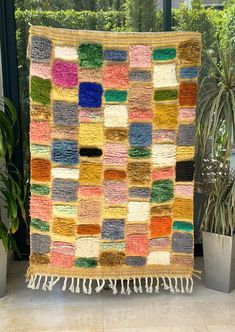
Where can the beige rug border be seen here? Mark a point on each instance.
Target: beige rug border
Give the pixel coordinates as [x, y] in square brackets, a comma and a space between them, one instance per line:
[67, 36]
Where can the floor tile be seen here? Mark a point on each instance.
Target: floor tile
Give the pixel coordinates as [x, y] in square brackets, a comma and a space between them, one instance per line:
[160, 329]
[25, 310]
[221, 328]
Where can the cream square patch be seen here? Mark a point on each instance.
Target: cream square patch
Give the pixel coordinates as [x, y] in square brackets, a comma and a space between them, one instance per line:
[138, 211]
[87, 247]
[164, 155]
[65, 52]
[158, 257]
[164, 75]
[115, 116]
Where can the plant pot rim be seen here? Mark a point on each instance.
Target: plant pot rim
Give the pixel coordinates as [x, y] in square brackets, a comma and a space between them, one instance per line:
[219, 235]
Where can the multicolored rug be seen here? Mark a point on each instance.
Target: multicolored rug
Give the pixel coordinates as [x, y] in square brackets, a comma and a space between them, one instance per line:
[112, 149]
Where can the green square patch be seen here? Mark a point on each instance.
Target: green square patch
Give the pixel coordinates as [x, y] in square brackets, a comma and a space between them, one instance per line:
[90, 55]
[40, 90]
[162, 191]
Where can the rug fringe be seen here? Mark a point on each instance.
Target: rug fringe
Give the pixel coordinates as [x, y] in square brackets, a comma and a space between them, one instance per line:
[152, 284]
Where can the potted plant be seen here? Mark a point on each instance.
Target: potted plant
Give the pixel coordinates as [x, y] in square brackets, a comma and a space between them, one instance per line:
[215, 123]
[218, 225]
[10, 187]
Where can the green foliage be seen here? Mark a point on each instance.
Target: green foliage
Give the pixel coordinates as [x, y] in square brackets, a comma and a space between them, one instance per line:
[216, 108]
[44, 4]
[110, 4]
[227, 30]
[10, 178]
[197, 19]
[7, 136]
[141, 15]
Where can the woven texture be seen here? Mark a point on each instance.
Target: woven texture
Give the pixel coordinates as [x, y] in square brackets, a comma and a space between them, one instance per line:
[112, 149]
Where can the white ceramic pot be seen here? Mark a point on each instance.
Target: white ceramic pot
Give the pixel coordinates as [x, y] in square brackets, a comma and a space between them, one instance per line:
[219, 261]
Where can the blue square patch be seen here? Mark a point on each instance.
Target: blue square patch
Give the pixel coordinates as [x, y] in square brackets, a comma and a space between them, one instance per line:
[140, 134]
[90, 94]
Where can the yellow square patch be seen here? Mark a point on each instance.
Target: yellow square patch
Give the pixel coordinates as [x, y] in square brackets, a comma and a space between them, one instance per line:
[91, 134]
[165, 116]
[90, 173]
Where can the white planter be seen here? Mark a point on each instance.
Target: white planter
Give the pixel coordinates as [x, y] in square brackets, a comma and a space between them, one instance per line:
[3, 269]
[219, 261]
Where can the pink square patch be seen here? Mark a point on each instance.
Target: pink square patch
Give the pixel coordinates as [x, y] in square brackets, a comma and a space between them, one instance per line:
[40, 208]
[115, 76]
[115, 192]
[65, 74]
[115, 154]
[140, 56]
[137, 245]
[40, 70]
[40, 132]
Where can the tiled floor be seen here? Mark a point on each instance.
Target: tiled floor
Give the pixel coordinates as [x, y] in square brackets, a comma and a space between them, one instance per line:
[26, 310]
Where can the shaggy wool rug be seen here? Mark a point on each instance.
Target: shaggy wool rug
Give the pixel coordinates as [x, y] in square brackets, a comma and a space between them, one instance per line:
[112, 150]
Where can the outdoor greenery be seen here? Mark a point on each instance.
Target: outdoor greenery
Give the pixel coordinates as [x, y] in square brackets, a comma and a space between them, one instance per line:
[78, 5]
[141, 15]
[10, 179]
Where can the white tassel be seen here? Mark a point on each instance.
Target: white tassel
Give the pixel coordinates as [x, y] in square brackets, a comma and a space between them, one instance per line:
[134, 286]
[122, 288]
[151, 285]
[191, 288]
[39, 281]
[171, 286]
[50, 283]
[111, 284]
[44, 286]
[55, 281]
[157, 286]
[165, 287]
[89, 291]
[65, 284]
[97, 289]
[176, 286]
[99, 286]
[128, 290]
[146, 285]
[71, 288]
[77, 290]
[34, 282]
[187, 285]
[140, 286]
[84, 286]
[30, 282]
[115, 287]
[182, 285]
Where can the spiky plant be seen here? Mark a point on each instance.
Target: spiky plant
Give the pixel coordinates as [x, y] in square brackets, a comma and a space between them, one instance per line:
[216, 108]
[219, 190]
